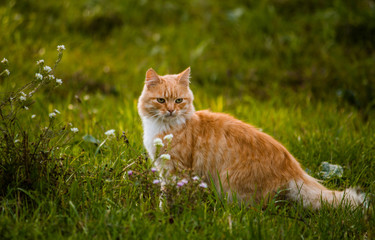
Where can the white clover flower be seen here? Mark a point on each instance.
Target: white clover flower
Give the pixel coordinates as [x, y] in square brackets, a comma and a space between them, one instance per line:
[168, 137]
[51, 77]
[156, 181]
[22, 98]
[158, 142]
[41, 61]
[203, 185]
[165, 157]
[59, 81]
[57, 111]
[47, 69]
[110, 132]
[33, 116]
[5, 61]
[196, 178]
[7, 72]
[52, 115]
[60, 48]
[38, 76]
[74, 130]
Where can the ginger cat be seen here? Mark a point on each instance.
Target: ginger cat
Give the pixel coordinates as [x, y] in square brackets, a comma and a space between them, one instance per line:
[249, 163]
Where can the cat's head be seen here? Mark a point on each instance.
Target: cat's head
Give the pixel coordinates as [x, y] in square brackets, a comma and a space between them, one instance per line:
[166, 98]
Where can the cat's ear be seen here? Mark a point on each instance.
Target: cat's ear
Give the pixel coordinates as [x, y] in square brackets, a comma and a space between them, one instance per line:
[183, 78]
[152, 78]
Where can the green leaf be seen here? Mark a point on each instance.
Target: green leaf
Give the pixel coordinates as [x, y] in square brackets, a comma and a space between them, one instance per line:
[91, 139]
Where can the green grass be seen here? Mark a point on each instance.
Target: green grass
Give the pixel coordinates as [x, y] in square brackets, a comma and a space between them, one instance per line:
[303, 72]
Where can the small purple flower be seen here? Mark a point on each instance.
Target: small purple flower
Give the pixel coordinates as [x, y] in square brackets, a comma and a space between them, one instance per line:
[184, 181]
[180, 184]
[154, 169]
[203, 185]
[130, 172]
[196, 178]
[156, 181]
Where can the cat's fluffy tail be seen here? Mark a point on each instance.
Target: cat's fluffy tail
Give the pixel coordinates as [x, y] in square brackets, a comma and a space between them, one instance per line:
[311, 193]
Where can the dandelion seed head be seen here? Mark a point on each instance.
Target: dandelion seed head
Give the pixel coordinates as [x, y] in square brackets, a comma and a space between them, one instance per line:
[59, 81]
[110, 132]
[158, 142]
[74, 130]
[38, 76]
[165, 157]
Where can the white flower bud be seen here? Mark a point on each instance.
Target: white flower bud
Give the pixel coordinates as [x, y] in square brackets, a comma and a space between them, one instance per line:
[38, 76]
[165, 157]
[168, 137]
[158, 142]
[60, 48]
[47, 69]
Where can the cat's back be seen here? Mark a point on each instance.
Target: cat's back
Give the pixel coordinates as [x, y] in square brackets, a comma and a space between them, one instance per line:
[220, 122]
[225, 131]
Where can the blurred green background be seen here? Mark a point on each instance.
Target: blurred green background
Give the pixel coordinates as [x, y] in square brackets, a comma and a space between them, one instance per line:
[322, 49]
[303, 71]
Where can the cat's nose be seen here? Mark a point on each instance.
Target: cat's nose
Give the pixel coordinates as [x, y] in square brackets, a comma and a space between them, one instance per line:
[170, 111]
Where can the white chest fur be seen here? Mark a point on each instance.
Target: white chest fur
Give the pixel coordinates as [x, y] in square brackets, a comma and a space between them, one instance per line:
[152, 128]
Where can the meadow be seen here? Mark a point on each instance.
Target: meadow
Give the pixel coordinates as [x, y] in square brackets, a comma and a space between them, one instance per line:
[302, 71]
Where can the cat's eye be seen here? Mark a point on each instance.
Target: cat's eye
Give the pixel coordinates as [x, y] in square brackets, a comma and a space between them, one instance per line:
[160, 100]
[178, 100]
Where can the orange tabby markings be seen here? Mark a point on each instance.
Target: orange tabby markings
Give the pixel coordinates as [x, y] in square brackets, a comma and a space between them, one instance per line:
[248, 162]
